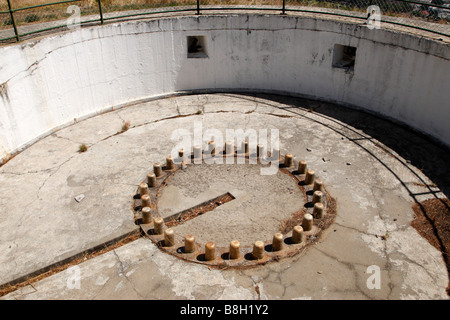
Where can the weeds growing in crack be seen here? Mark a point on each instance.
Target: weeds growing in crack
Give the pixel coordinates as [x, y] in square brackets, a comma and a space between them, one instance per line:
[82, 148]
[125, 126]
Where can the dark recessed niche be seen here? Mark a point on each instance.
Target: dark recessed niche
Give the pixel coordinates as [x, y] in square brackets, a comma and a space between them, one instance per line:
[196, 47]
[344, 57]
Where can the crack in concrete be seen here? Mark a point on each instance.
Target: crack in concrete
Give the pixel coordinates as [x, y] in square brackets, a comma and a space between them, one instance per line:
[64, 138]
[388, 259]
[351, 267]
[121, 272]
[51, 175]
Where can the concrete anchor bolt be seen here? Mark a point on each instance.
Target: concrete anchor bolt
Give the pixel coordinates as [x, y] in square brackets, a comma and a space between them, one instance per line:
[189, 243]
[258, 250]
[212, 148]
[143, 188]
[169, 237]
[235, 252]
[146, 215]
[151, 180]
[245, 147]
[317, 185]
[260, 151]
[146, 201]
[288, 160]
[318, 210]
[302, 167]
[297, 234]
[157, 169]
[275, 156]
[317, 197]
[309, 178]
[197, 154]
[169, 163]
[228, 148]
[210, 251]
[277, 242]
[158, 225]
[307, 222]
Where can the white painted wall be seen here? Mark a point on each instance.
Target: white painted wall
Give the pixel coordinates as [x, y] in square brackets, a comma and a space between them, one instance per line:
[47, 83]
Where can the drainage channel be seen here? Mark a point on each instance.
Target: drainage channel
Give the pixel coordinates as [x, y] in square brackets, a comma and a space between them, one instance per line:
[202, 208]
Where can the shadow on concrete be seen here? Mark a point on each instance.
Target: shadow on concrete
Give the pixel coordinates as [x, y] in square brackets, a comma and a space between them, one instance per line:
[409, 147]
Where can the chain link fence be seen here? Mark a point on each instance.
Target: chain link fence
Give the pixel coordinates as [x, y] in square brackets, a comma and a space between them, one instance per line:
[25, 18]
[429, 15]
[39, 16]
[115, 9]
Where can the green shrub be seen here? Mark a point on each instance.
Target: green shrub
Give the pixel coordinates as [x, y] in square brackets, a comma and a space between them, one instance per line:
[50, 16]
[32, 18]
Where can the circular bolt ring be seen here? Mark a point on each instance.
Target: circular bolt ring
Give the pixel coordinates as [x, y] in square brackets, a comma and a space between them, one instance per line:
[258, 252]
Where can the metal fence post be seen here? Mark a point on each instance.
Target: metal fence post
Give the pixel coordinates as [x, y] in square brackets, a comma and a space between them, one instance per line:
[283, 11]
[198, 6]
[11, 13]
[100, 10]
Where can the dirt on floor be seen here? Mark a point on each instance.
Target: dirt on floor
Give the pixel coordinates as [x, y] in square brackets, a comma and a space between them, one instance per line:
[432, 221]
[86, 255]
[198, 210]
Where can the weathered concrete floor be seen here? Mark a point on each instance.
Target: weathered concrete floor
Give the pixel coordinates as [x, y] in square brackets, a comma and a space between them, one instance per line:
[369, 165]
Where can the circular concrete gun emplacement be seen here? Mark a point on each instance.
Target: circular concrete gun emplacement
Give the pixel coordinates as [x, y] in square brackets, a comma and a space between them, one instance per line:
[232, 208]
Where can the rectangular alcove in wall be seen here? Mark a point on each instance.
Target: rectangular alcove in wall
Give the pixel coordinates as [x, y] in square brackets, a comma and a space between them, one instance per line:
[196, 47]
[344, 57]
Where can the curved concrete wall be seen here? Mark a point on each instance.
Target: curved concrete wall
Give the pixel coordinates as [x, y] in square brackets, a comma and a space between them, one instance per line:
[47, 83]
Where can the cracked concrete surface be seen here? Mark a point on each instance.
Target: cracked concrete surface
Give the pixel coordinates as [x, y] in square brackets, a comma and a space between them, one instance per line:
[373, 168]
